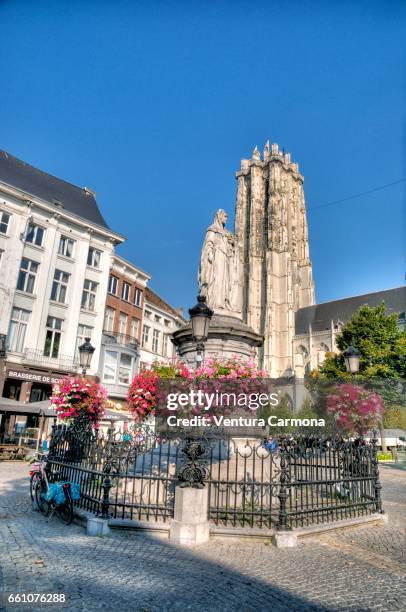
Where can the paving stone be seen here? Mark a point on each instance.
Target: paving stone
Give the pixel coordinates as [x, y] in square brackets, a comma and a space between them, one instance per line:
[358, 569]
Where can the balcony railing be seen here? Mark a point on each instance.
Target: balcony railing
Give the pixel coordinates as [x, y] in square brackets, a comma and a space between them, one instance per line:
[121, 339]
[62, 362]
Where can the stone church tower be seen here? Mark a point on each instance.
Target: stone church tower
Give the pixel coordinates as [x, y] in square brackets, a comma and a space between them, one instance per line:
[272, 237]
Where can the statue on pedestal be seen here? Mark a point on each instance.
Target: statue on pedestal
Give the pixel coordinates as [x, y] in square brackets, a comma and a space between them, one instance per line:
[219, 267]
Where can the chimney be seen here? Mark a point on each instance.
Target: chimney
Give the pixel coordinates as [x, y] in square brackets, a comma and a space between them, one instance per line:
[89, 192]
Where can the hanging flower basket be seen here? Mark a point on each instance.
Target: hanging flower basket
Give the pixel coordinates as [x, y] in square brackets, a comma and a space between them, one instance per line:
[142, 394]
[79, 401]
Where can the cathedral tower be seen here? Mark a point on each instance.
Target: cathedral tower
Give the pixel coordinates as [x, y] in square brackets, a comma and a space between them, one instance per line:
[272, 237]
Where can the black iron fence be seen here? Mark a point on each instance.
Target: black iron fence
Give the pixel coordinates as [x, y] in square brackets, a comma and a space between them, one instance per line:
[292, 481]
[129, 476]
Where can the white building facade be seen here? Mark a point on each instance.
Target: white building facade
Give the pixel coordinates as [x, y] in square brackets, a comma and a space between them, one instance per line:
[56, 251]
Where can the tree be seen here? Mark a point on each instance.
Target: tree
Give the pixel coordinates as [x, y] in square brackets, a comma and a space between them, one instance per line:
[382, 347]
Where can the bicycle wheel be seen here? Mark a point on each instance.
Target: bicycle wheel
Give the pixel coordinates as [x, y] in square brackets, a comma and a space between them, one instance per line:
[65, 510]
[33, 481]
[40, 490]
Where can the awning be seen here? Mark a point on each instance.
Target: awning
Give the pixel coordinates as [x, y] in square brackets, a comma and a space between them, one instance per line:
[112, 415]
[11, 406]
[14, 407]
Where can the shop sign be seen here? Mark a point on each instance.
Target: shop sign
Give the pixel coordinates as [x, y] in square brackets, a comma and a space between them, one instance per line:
[28, 376]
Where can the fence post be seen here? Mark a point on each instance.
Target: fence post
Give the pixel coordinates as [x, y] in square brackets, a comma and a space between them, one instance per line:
[284, 537]
[375, 471]
[283, 493]
[99, 525]
[106, 492]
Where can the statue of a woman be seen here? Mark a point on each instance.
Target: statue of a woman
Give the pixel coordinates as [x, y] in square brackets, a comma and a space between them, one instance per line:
[218, 272]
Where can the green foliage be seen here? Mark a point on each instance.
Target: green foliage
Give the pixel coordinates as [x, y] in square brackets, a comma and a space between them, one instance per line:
[382, 347]
[395, 417]
[384, 456]
[381, 343]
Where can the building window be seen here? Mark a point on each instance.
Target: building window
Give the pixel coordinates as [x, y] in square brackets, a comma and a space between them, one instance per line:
[147, 314]
[53, 337]
[157, 319]
[166, 322]
[122, 324]
[27, 275]
[60, 286]
[165, 344]
[17, 329]
[84, 331]
[125, 291]
[66, 246]
[4, 221]
[125, 369]
[108, 319]
[138, 297]
[134, 328]
[145, 335]
[110, 366]
[113, 282]
[89, 295]
[93, 257]
[35, 234]
[155, 341]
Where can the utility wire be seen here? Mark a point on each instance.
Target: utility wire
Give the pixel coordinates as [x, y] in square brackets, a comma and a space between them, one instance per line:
[358, 195]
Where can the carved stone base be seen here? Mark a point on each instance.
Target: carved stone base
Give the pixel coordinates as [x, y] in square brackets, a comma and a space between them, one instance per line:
[190, 525]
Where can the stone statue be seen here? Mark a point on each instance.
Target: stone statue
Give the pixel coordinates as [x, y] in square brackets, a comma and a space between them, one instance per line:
[219, 267]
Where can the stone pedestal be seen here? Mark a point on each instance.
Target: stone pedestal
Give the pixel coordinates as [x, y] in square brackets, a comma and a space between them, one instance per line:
[228, 336]
[190, 525]
[284, 539]
[97, 526]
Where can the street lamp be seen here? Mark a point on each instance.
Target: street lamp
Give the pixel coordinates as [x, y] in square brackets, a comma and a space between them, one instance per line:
[351, 359]
[200, 316]
[86, 351]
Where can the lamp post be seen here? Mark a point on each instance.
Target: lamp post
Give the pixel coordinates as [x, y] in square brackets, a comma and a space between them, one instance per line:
[351, 359]
[86, 351]
[200, 316]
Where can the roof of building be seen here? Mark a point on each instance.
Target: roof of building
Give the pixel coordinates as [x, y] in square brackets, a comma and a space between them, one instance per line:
[82, 203]
[154, 299]
[320, 316]
[126, 262]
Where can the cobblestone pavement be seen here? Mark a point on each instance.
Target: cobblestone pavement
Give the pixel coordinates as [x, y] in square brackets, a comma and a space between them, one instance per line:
[357, 569]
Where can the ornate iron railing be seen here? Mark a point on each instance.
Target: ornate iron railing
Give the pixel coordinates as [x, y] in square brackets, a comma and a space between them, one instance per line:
[128, 476]
[286, 483]
[62, 362]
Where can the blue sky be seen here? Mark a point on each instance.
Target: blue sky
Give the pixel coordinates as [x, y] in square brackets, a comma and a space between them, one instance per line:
[154, 104]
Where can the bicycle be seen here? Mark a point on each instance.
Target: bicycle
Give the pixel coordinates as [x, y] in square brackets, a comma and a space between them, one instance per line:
[35, 474]
[61, 503]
